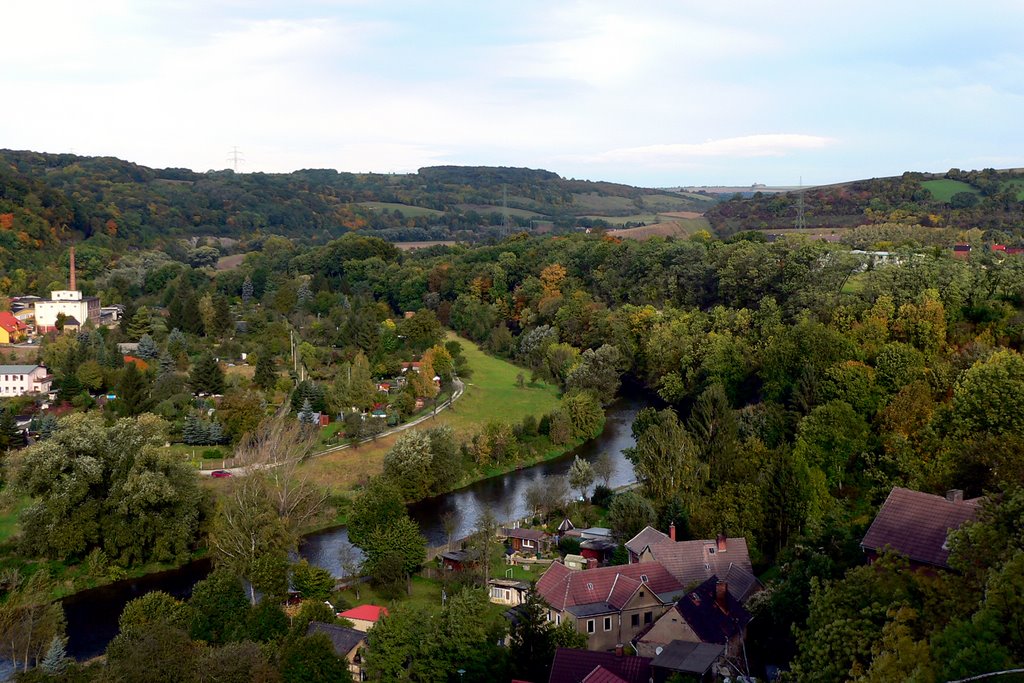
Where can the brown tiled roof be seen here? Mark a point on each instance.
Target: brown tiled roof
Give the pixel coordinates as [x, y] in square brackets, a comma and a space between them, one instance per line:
[645, 538]
[528, 534]
[573, 666]
[916, 525]
[562, 587]
[694, 562]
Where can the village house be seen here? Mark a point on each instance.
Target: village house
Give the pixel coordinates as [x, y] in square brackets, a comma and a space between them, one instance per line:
[917, 525]
[610, 605]
[68, 303]
[348, 643]
[12, 330]
[527, 540]
[17, 380]
[578, 666]
[459, 560]
[364, 617]
[707, 614]
[694, 562]
[507, 591]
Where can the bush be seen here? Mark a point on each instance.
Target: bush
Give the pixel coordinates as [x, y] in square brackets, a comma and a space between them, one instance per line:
[602, 496]
[569, 545]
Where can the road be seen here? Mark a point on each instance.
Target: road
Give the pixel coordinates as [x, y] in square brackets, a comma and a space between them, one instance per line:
[457, 383]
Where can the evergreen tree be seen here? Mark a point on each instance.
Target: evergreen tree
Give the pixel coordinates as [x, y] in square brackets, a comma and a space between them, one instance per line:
[306, 414]
[177, 344]
[166, 364]
[207, 376]
[69, 387]
[141, 324]
[10, 436]
[265, 376]
[304, 293]
[215, 434]
[194, 432]
[247, 289]
[56, 661]
[132, 392]
[148, 349]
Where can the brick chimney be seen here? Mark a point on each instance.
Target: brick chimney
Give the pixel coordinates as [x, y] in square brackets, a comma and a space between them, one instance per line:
[672, 531]
[722, 543]
[619, 650]
[71, 281]
[955, 495]
[721, 593]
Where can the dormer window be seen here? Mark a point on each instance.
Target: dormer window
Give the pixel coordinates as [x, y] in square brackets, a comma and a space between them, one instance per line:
[643, 577]
[590, 586]
[711, 551]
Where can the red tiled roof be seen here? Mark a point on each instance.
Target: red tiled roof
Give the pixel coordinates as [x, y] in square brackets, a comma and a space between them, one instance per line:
[647, 536]
[364, 613]
[574, 666]
[916, 524]
[602, 675]
[694, 562]
[10, 323]
[562, 587]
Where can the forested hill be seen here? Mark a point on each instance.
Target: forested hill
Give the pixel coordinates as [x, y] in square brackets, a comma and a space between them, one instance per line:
[990, 200]
[48, 198]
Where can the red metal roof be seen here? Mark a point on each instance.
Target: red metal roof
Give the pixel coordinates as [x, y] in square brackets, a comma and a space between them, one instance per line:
[916, 524]
[574, 666]
[364, 613]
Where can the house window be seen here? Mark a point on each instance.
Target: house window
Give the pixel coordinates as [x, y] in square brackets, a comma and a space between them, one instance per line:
[590, 626]
[607, 623]
[508, 595]
[634, 620]
[558, 619]
[527, 543]
[648, 617]
[643, 577]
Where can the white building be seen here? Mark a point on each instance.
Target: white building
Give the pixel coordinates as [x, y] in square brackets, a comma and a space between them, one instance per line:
[69, 302]
[16, 380]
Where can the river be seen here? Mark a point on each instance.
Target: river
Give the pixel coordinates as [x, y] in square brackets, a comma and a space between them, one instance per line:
[92, 615]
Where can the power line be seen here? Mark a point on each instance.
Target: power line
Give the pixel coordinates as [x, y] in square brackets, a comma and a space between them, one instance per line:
[235, 156]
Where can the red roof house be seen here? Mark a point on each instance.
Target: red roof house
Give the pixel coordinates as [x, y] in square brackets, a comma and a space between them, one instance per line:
[11, 329]
[364, 617]
[576, 666]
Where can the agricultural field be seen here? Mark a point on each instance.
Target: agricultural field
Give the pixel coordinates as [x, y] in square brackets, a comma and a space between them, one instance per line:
[594, 203]
[622, 220]
[231, 262]
[944, 188]
[404, 209]
[680, 227]
[492, 208]
[491, 395]
[1016, 186]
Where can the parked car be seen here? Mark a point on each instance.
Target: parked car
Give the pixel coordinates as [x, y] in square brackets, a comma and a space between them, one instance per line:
[220, 473]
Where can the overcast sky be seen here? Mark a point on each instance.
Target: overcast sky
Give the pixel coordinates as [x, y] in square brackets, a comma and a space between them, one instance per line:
[648, 93]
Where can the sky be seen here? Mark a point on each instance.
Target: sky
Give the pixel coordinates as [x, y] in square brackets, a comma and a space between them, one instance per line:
[647, 93]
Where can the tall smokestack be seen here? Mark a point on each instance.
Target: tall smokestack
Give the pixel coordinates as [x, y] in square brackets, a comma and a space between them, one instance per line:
[72, 280]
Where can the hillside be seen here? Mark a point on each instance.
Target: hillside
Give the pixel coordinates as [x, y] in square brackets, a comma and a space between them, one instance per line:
[47, 198]
[988, 200]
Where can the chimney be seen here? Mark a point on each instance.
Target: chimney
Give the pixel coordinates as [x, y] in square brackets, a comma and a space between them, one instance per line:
[955, 495]
[722, 543]
[71, 283]
[619, 650]
[672, 531]
[721, 593]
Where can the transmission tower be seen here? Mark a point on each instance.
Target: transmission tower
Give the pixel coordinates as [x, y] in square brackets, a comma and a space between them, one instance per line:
[235, 156]
[801, 222]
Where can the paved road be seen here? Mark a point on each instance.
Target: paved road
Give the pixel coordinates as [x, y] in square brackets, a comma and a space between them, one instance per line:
[460, 388]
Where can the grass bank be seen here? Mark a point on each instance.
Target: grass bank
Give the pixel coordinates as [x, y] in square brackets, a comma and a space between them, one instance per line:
[492, 394]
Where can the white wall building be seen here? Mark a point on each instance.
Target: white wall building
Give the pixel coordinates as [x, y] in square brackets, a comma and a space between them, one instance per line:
[16, 380]
[69, 302]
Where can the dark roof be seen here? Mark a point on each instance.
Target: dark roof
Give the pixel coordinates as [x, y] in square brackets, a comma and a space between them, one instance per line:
[562, 587]
[573, 666]
[528, 534]
[343, 639]
[688, 657]
[460, 555]
[707, 618]
[916, 525]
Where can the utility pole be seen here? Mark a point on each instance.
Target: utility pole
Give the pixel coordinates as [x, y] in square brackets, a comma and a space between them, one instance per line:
[235, 156]
[801, 222]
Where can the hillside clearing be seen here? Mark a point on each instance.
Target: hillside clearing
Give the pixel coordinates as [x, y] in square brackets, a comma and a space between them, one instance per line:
[943, 189]
[682, 227]
[404, 209]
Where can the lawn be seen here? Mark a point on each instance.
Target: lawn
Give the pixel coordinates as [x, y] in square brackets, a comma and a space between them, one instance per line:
[425, 592]
[1016, 186]
[9, 512]
[491, 395]
[404, 209]
[944, 188]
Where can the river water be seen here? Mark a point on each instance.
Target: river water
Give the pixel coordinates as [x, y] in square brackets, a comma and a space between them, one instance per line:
[92, 615]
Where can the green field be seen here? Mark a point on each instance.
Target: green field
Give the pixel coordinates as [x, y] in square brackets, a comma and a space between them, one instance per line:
[1016, 186]
[597, 204]
[491, 208]
[622, 220]
[404, 209]
[943, 189]
[491, 395]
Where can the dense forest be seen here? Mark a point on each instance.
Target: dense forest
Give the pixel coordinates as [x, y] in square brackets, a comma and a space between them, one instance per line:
[798, 385]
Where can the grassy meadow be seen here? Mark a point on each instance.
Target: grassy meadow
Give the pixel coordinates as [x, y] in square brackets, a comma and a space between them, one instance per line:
[491, 395]
[404, 209]
[943, 189]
